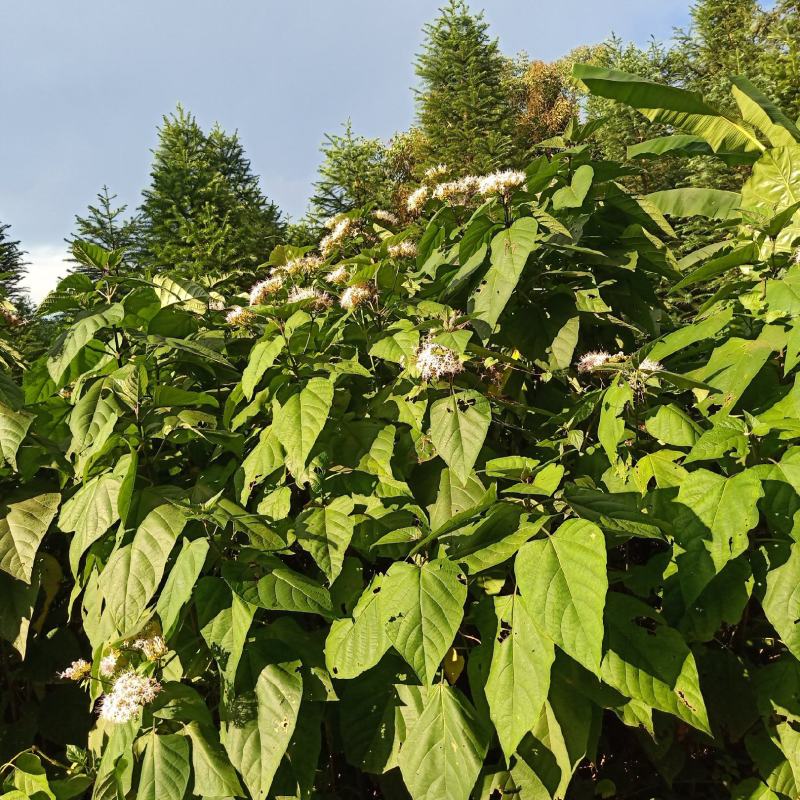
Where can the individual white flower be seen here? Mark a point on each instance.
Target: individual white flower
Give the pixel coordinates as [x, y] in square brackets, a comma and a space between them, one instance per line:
[340, 232]
[797, 256]
[338, 276]
[404, 249]
[434, 360]
[319, 300]
[239, 317]
[354, 296]
[648, 365]
[130, 692]
[263, 290]
[432, 173]
[77, 670]
[385, 216]
[501, 182]
[151, 647]
[589, 362]
[417, 199]
[108, 663]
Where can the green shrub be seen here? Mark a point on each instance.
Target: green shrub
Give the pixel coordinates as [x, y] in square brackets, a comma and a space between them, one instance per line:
[497, 503]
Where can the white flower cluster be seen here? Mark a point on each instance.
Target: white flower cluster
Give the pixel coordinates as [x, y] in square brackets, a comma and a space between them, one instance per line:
[385, 216]
[648, 365]
[238, 317]
[460, 191]
[77, 670]
[130, 692]
[317, 299]
[108, 663]
[263, 290]
[417, 199]
[338, 276]
[304, 265]
[151, 647]
[215, 304]
[437, 171]
[12, 320]
[404, 249]
[341, 230]
[501, 182]
[355, 296]
[437, 361]
[589, 362]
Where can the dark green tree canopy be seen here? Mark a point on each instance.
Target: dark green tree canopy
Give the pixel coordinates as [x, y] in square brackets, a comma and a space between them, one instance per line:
[105, 225]
[204, 211]
[12, 266]
[462, 105]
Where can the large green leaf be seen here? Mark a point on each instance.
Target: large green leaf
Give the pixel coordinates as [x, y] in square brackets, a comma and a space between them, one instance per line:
[510, 250]
[326, 533]
[612, 425]
[422, 608]
[690, 202]
[650, 662]
[89, 513]
[357, 644]
[21, 532]
[519, 676]
[134, 571]
[13, 428]
[78, 336]
[213, 774]
[760, 112]
[689, 334]
[261, 358]
[298, 423]
[564, 582]
[573, 195]
[672, 425]
[444, 750]
[734, 364]
[671, 106]
[264, 459]
[174, 289]
[738, 256]
[712, 526]
[782, 600]
[16, 610]
[459, 424]
[263, 724]
[180, 583]
[775, 181]
[165, 767]
[284, 589]
[224, 620]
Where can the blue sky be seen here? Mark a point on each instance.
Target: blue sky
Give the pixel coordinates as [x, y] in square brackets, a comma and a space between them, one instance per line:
[83, 86]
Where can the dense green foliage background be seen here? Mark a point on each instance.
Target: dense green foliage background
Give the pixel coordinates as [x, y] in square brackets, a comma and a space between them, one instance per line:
[482, 487]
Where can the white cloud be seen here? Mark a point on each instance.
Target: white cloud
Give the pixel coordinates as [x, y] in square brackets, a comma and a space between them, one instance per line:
[45, 266]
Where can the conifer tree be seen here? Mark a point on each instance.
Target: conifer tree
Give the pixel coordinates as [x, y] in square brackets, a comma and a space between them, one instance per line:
[12, 267]
[354, 171]
[462, 104]
[725, 39]
[106, 225]
[781, 56]
[204, 212]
